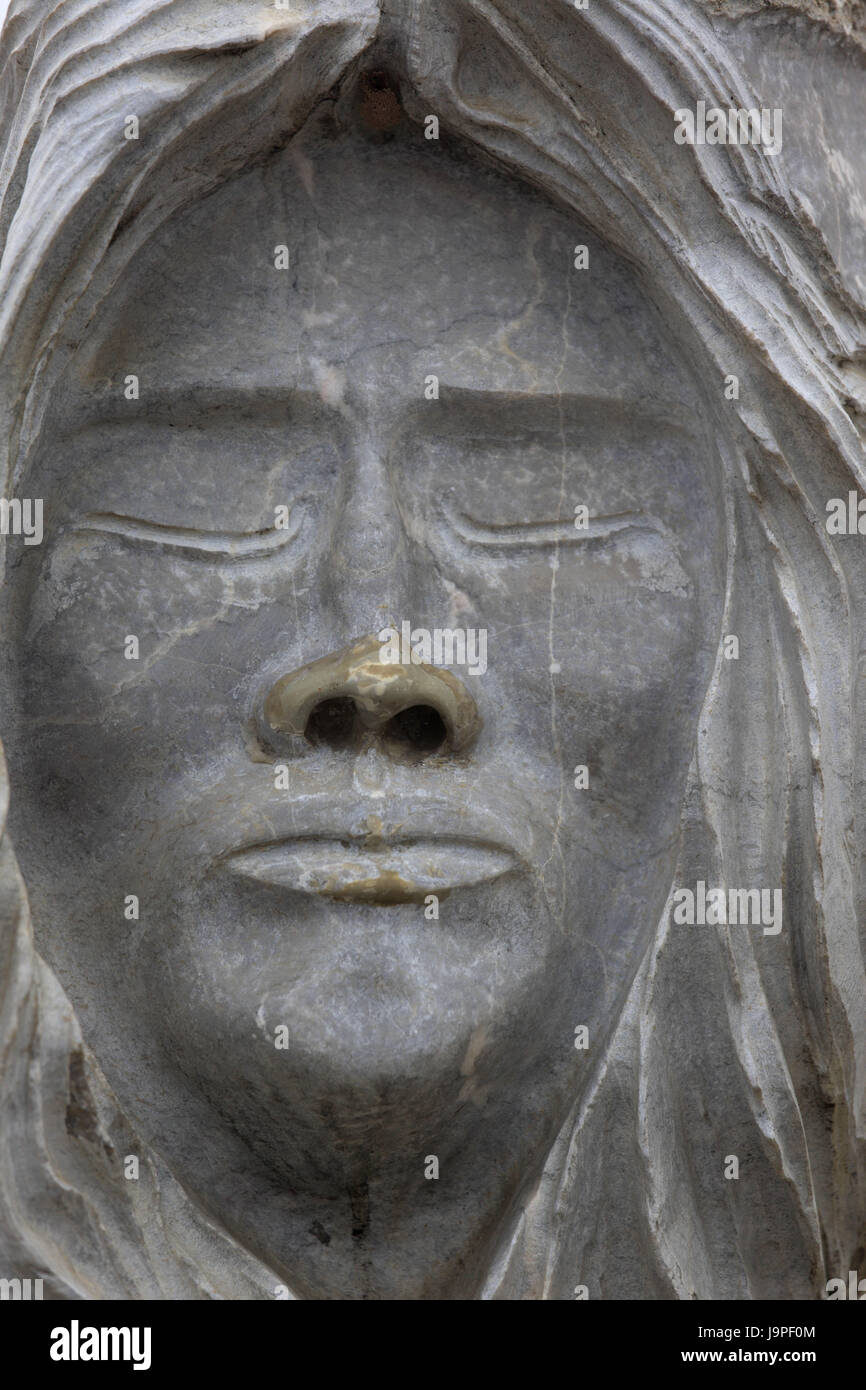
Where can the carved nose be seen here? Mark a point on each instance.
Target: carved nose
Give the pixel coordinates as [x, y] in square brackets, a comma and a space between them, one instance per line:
[350, 697]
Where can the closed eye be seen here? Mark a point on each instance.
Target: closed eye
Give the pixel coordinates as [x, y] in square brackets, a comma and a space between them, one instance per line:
[188, 540]
[536, 535]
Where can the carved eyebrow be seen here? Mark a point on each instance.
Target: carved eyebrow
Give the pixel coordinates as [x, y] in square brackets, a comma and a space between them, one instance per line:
[190, 405]
[237, 545]
[587, 408]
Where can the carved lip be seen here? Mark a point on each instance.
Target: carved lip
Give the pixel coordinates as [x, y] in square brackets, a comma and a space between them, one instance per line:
[372, 868]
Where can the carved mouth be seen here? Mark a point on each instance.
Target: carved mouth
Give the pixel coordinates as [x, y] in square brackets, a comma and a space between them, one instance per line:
[384, 872]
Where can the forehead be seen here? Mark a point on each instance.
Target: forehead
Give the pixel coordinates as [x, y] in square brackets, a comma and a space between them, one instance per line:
[404, 259]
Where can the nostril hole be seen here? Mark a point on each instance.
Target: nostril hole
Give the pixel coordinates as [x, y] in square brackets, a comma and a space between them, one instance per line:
[420, 727]
[332, 722]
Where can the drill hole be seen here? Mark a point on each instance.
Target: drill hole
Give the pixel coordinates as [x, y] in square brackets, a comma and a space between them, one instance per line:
[380, 101]
[332, 722]
[420, 728]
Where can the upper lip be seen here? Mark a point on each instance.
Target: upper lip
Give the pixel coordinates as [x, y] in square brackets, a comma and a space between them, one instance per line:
[375, 824]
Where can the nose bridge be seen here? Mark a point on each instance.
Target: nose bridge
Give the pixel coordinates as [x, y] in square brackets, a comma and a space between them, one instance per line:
[369, 557]
[380, 692]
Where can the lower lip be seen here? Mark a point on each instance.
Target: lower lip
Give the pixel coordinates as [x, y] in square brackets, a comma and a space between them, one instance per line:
[385, 875]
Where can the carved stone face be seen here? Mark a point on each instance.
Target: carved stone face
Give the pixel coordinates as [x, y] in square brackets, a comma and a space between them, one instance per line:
[263, 387]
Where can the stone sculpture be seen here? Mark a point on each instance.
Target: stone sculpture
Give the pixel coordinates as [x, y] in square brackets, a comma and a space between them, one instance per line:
[430, 698]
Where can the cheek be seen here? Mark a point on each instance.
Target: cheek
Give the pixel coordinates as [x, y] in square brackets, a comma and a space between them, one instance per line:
[147, 646]
[111, 730]
[630, 671]
[629, 654]
[631, 710]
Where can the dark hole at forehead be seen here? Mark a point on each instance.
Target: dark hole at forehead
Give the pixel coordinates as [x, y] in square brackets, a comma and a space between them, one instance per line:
[379, 102]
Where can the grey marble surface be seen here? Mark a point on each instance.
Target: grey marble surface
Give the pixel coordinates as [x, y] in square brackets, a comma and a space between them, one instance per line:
[337, 974]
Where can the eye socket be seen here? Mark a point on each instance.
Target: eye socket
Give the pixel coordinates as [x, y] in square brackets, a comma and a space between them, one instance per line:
[192, 542]
[629, 548]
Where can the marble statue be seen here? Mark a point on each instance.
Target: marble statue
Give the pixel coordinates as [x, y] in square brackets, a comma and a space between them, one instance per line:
[432, 606]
